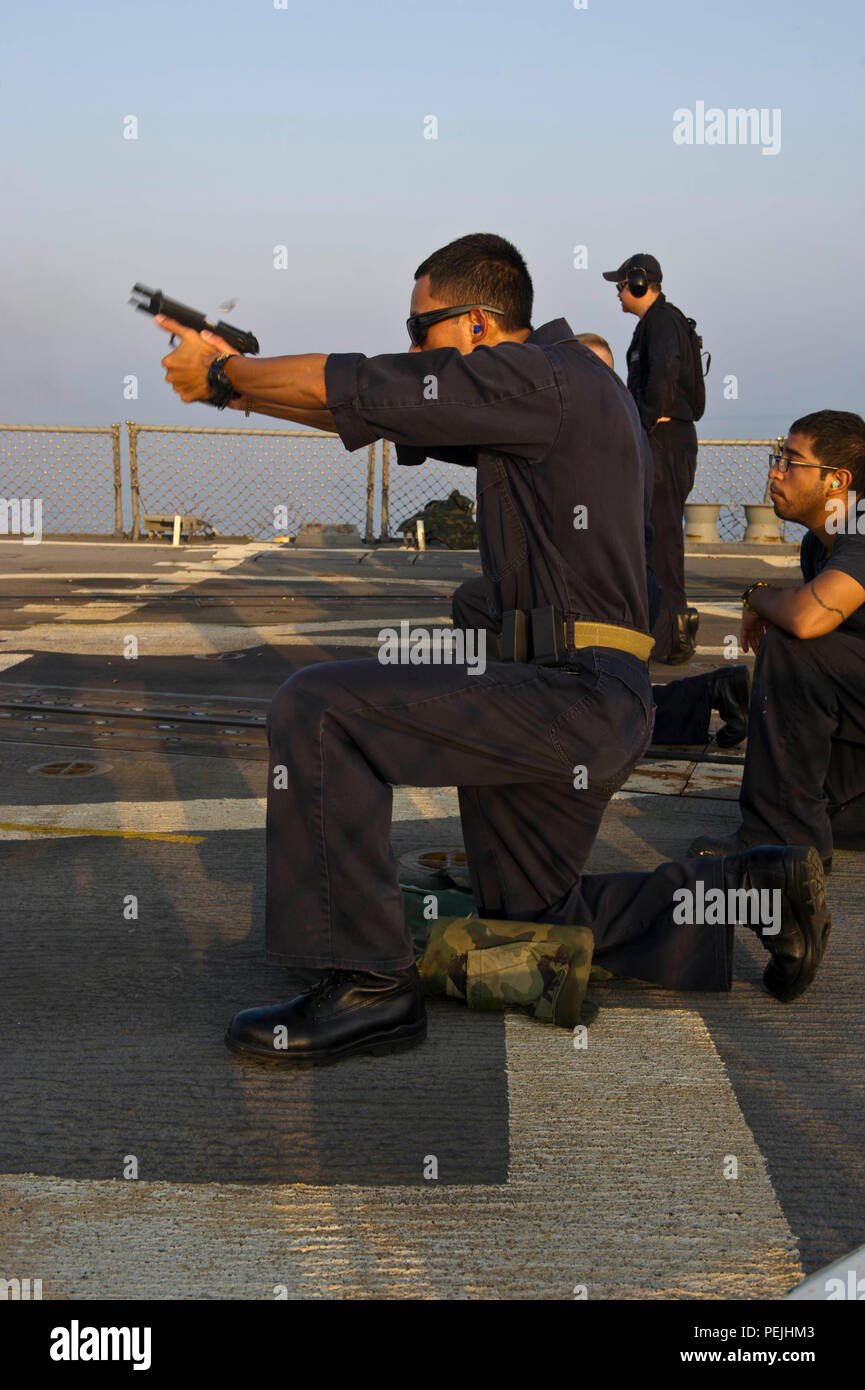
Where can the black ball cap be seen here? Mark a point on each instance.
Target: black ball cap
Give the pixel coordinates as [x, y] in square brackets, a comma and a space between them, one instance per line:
[648, 263]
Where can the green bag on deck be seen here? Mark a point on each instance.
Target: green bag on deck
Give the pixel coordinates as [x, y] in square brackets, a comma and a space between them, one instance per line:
[490, 964]
[445, 902]
[447, 522]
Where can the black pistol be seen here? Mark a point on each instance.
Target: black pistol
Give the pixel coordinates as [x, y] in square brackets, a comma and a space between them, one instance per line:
[155, 302]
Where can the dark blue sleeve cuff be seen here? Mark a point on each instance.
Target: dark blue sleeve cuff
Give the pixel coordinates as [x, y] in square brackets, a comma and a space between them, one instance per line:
[340, 384]
[410, 455]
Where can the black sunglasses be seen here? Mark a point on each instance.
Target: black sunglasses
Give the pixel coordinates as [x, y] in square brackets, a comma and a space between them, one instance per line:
[419, 324]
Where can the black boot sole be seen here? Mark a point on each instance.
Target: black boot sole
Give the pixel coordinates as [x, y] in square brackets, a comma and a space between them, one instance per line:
[807, 901]
[377, 1044]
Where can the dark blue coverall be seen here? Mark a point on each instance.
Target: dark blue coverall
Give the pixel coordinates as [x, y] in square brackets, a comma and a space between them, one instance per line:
[661, 378]
[804, 777]
[549, 428]
[683, 708]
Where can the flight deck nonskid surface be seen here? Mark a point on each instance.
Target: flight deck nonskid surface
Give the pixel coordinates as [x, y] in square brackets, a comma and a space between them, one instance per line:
[145, 778]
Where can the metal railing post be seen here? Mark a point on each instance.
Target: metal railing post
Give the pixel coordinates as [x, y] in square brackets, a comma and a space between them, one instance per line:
[133, 479]
[118, 481]
[385, 490]
[369, 534]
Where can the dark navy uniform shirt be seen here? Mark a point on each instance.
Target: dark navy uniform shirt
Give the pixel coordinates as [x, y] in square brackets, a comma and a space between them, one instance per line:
[661, 369]
[549, 428]
[847, 557]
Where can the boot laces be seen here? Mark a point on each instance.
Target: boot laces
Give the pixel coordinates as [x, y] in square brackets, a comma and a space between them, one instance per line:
[326, 986]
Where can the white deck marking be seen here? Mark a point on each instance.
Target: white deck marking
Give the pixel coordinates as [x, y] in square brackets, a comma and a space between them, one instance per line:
[82, 614]
[195, 815]
[616, 1182]
[843, 1279]
[209, 815]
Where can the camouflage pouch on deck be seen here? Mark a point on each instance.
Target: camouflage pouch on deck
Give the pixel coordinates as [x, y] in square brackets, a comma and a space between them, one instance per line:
[448, 903]
[490, 964]
[447, 522]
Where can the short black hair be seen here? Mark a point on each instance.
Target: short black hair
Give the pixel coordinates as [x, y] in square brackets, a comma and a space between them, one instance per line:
[482, 268]
[838, 441]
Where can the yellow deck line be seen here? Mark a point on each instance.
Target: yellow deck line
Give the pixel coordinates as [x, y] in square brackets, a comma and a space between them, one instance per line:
[85, 830]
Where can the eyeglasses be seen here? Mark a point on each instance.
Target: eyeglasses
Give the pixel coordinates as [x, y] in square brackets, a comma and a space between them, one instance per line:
[621, 285]
[781, 463]
[418, 325]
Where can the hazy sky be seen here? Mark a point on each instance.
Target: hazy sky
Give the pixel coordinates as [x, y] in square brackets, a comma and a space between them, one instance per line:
[304, 127]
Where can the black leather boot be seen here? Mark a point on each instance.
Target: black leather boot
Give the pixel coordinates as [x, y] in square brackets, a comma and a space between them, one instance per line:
[347, 1013]
[731, 695]
[687, 622]
[717, 847]
[798, 942]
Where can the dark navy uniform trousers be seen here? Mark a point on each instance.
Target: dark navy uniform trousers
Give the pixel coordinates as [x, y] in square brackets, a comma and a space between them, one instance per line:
[683, 708]
[513, 740]
[804, 778]
[674, 453]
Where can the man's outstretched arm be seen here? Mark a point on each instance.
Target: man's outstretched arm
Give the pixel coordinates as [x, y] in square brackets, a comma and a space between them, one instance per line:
[505, 397]
[311, 419]
[291, 387]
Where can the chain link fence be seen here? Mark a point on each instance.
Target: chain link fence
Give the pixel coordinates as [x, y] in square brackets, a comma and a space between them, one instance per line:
[732, 472]
[263, 483]
[255, 483]
[73, 471]
[405, 491]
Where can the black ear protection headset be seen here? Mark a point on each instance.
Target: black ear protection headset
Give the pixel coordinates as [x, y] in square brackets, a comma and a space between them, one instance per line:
[638, 283]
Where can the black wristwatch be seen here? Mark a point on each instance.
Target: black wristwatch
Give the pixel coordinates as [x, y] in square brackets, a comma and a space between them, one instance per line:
[221, 389]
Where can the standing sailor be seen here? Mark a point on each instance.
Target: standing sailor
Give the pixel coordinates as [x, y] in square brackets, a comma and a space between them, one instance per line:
[665, 378]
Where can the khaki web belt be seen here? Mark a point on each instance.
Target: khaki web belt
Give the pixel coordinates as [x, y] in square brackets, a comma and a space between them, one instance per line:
[624, 639]
[542, 636]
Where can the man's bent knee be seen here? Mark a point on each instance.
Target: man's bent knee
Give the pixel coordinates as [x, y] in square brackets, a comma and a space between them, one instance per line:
[311, 689]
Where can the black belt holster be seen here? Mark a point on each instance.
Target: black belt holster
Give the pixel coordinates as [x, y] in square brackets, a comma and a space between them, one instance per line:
[537, 636]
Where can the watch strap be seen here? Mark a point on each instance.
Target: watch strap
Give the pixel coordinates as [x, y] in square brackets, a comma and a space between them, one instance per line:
[759, 584]
[221, 389]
